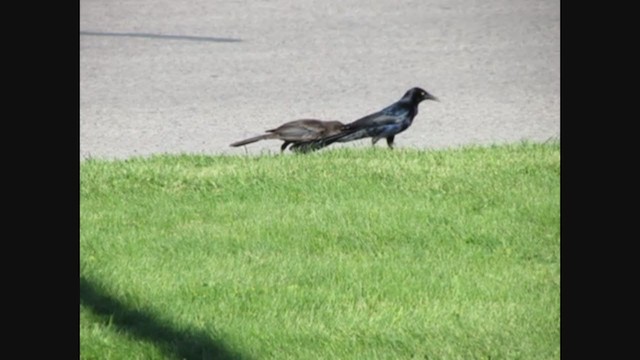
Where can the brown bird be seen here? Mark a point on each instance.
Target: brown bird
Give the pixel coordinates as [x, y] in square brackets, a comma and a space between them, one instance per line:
[301, 133]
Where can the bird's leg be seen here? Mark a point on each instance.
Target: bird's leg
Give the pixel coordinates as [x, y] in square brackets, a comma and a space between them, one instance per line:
[374, 140]
[299, 148]
[390, 141]
[295, 147]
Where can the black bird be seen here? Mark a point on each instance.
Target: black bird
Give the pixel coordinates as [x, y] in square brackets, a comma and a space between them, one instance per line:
[386, 123]
[301, 133]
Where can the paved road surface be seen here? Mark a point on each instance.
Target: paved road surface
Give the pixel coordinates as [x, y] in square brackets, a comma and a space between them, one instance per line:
[162, 76]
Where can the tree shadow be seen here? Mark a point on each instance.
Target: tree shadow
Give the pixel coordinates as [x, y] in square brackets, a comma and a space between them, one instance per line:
[160, 36]
[146, 326]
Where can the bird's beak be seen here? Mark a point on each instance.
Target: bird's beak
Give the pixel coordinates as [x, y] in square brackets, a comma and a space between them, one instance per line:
[431, 97]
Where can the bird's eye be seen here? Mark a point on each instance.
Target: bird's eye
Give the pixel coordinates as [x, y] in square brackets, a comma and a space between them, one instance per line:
[424, 94]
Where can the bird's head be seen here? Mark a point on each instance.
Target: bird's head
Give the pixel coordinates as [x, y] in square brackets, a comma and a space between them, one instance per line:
[417, 95]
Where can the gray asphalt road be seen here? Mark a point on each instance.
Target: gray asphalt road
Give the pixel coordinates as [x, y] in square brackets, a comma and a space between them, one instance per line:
[161, 76]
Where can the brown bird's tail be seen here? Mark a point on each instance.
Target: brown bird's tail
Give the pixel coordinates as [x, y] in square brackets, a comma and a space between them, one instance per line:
[254, 139]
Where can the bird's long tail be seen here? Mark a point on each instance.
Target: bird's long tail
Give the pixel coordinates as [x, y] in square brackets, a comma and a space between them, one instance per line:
[324, 142]
[254, 139]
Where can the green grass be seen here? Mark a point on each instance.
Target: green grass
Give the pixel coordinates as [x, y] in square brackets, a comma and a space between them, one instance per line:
[338, 254]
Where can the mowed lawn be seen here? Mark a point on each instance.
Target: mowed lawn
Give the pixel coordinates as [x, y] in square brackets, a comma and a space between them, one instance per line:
[356, 253]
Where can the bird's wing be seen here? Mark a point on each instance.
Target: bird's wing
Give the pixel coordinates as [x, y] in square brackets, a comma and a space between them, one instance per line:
[300, 130]
[356, 130]
[376, 119]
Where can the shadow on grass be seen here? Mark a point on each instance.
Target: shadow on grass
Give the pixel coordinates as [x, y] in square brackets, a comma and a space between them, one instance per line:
[178, 343]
